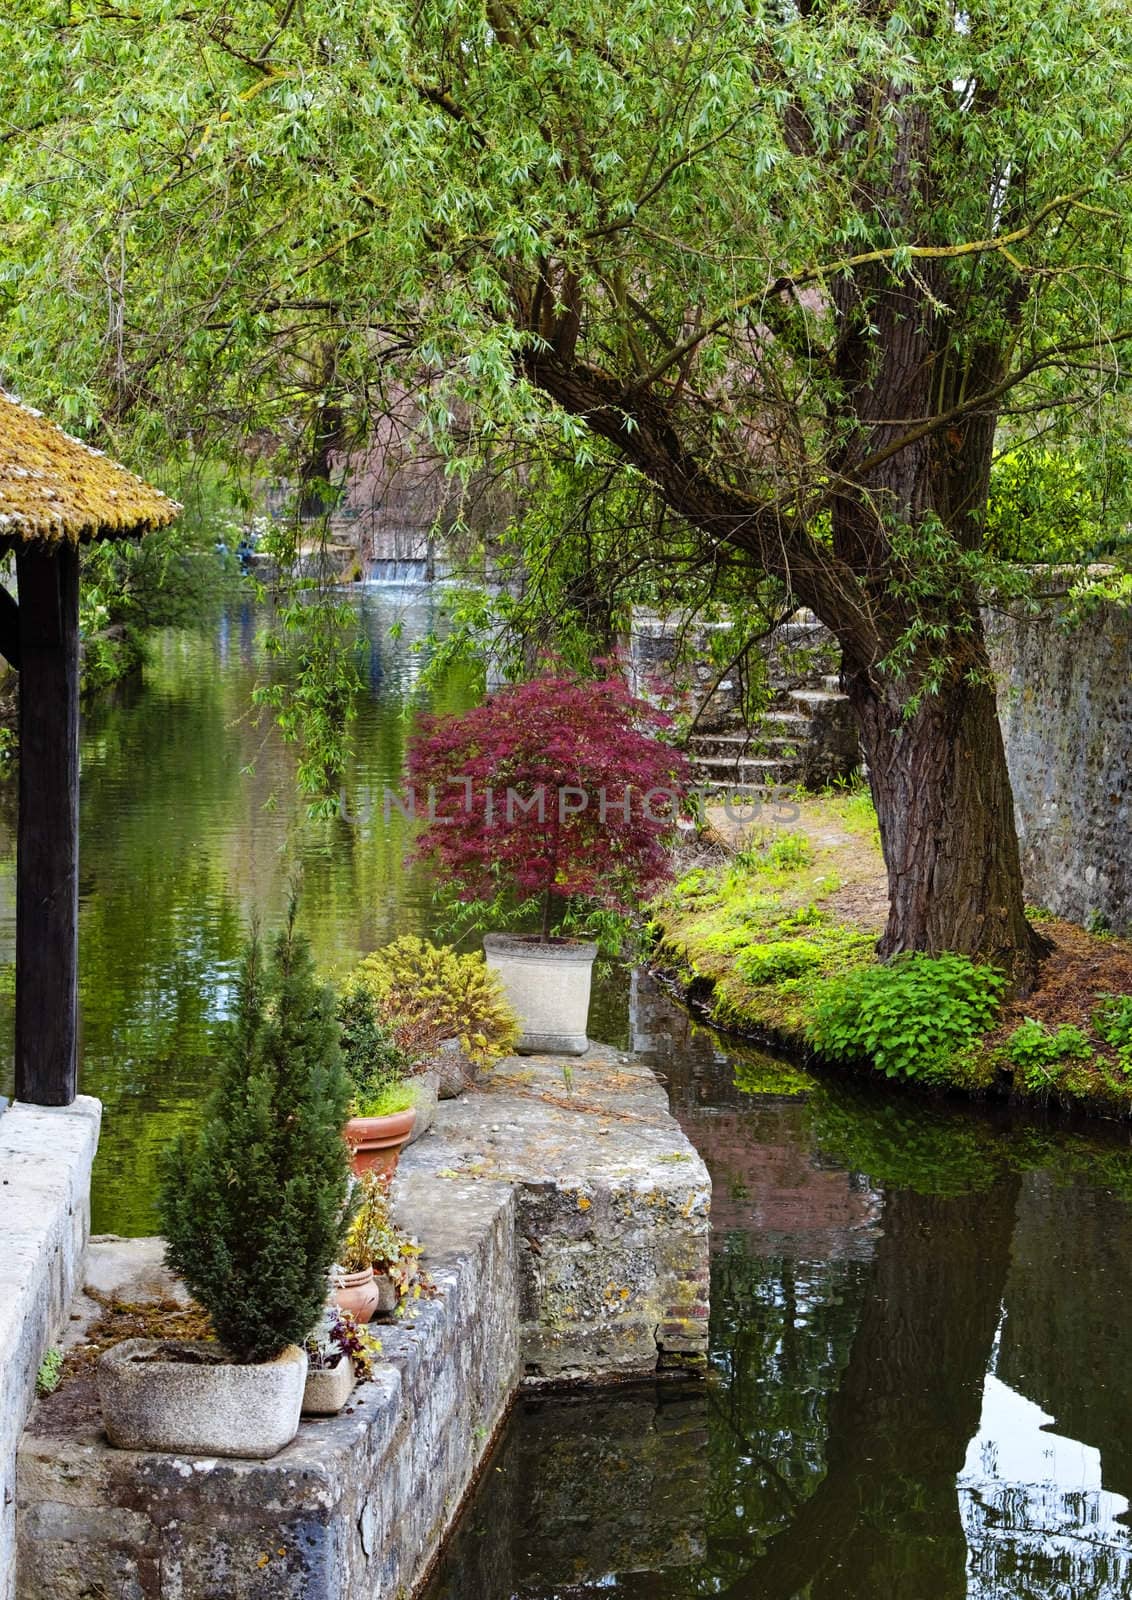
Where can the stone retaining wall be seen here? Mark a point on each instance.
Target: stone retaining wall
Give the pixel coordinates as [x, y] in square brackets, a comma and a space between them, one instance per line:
[45, 1161]
[564, 1220]
[1065, 705]
[354, 1508]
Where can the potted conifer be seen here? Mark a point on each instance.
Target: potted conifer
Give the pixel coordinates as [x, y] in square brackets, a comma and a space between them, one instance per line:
[253, 1211]
[553, 807]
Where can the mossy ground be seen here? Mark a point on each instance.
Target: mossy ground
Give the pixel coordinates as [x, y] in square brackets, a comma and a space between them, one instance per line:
[764, 914]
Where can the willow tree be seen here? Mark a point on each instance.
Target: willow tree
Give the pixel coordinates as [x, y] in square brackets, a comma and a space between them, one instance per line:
[793, 263]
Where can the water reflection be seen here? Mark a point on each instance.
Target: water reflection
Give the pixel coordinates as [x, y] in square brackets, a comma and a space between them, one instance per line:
[916, 1386]
[190, 821]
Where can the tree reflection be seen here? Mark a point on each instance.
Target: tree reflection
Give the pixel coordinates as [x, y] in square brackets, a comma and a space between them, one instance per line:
[884, 1519]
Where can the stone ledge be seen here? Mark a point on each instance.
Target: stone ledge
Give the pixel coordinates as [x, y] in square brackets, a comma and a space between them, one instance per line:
[564, 1223]
[613, 1210]
[46, 1154]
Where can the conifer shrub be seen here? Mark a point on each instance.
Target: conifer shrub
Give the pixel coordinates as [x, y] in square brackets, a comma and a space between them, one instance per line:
[375, 1063]
[435, 992]
[254, 1207]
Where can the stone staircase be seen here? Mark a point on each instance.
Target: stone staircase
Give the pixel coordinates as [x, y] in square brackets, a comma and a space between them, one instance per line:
[807, 735]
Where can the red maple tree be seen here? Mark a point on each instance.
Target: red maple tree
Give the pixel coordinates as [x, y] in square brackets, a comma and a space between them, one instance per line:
[559, 789]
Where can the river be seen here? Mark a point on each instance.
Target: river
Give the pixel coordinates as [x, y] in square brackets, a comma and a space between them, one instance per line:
[918, 1383]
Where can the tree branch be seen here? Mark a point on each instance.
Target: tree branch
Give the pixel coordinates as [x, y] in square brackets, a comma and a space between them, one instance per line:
[999, 243]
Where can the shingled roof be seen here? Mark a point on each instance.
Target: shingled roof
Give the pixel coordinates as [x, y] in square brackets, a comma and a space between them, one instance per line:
[55, 488]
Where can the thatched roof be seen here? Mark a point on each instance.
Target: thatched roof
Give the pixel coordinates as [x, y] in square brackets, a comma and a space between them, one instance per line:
[55, 488]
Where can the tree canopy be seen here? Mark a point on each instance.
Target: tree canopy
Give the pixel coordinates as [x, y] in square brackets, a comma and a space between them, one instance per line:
[215, 216]
[791, 263]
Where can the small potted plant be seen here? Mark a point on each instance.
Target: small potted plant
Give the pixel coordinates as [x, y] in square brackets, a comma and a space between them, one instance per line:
[337, 1358]
[553, 805]
[396, 1256]
[383, 1101]
[253, 1210]
[355, 1290]
[379, 1260]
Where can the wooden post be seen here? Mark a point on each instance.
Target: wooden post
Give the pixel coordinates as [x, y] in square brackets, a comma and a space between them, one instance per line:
[47, 867]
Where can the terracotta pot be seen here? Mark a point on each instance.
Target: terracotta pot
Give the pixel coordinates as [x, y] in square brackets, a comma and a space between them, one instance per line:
[357, 1293]
[376, 1142]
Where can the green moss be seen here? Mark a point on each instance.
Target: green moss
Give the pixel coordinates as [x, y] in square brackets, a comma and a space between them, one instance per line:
[759, 941]
[755, 929]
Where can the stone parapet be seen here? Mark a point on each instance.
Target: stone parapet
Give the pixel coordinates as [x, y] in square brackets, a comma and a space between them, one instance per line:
[46, 1154]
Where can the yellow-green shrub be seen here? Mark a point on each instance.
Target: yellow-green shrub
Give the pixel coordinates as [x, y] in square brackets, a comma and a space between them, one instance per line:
[441, 991]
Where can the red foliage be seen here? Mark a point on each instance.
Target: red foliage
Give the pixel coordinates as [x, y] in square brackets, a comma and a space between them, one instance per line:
[609, 793]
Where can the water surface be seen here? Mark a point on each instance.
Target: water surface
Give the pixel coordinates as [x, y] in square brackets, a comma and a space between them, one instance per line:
[918, 1386]
[190, 824]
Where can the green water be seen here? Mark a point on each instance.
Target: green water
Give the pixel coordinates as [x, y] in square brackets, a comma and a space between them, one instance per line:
[190, 822]
[919, 1383]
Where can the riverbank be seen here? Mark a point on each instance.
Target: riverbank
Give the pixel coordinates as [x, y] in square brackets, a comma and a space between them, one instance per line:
[768, 919]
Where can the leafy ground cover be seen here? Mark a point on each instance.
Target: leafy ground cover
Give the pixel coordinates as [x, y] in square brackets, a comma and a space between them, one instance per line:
[771, 926]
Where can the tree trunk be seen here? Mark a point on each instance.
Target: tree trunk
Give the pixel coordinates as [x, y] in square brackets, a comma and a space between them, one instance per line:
[942, 794]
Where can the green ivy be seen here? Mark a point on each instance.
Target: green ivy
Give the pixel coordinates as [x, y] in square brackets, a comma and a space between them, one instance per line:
[1040, 1055]
[1113, 1021]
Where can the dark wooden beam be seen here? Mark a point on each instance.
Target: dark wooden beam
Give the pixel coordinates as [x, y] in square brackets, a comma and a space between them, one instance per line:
[47, 866]
[9, 629]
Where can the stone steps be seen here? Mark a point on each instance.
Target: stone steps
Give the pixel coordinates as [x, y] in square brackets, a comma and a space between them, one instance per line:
[745, 771]
[747, 745]
[810, 701]
[780, 750]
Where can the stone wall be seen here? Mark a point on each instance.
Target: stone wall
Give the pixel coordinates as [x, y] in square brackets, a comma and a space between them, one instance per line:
[564, 1220]
[45, 1161]
[1065, 704]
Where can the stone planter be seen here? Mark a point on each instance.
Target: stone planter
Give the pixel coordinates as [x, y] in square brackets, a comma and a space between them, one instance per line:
[328, 1388]
[549, 987]
[376, 1142]
[357, 1293]
[427, 1086]
[455, 1069]
[200, 1404]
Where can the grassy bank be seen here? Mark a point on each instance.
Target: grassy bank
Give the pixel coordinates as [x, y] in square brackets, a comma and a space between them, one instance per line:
[771, 929]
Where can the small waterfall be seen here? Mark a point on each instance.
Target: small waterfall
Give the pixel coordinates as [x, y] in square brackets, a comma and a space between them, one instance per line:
[398, 573]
